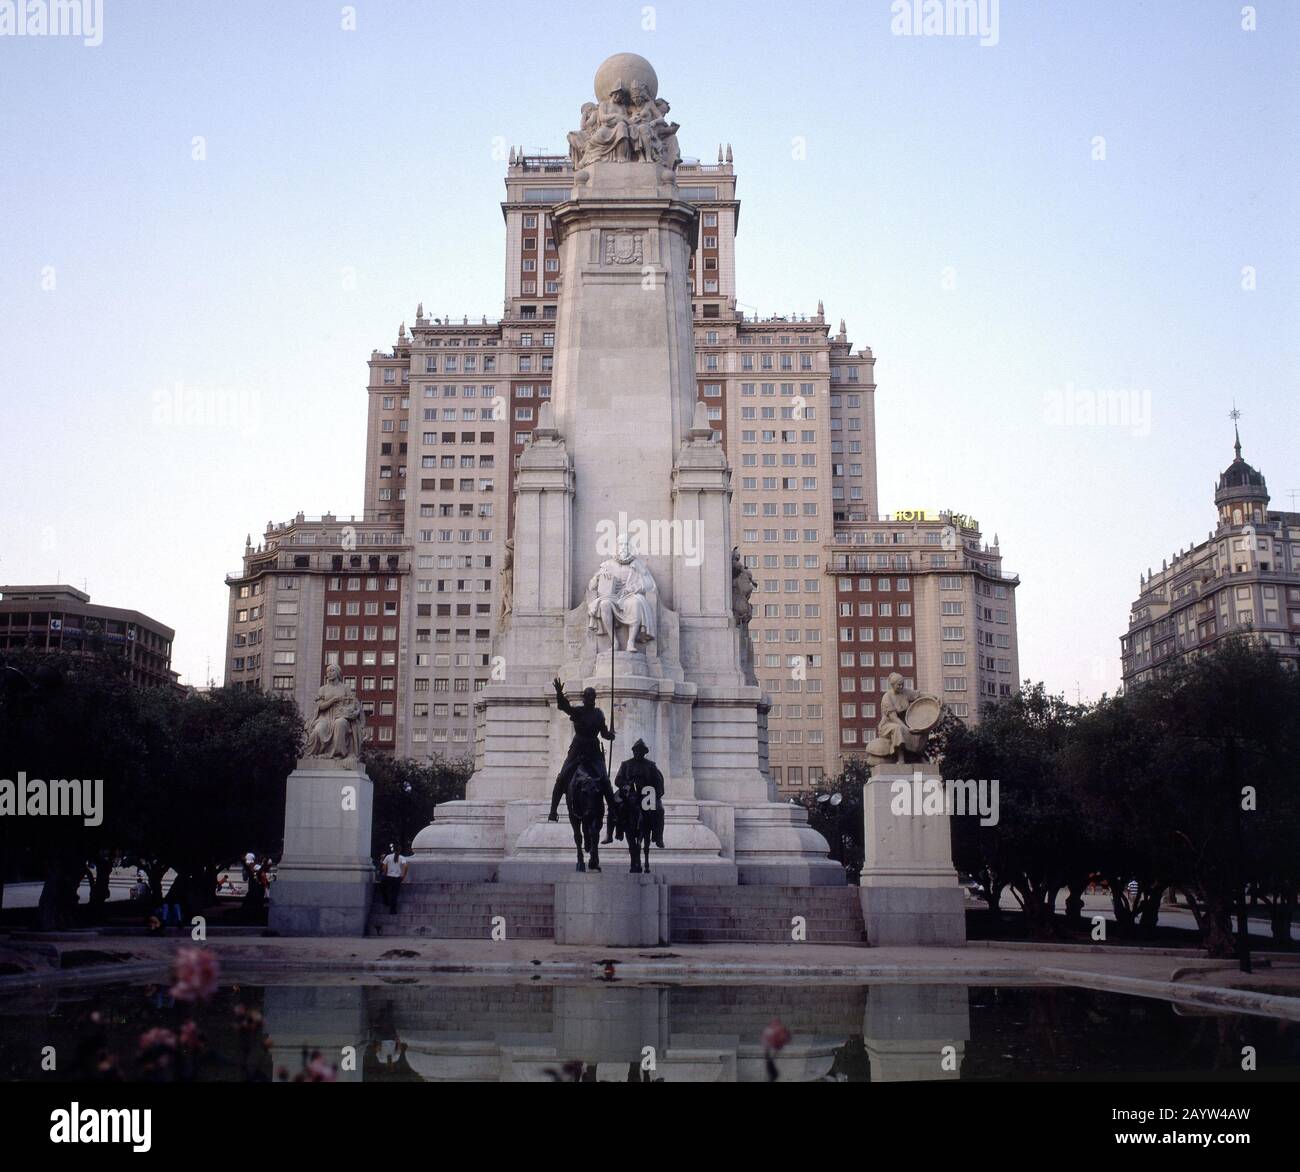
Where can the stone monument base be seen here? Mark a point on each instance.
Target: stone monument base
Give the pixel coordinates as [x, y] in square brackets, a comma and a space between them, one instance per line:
[464, 844]
[544, 852]
[776, 845]
[611, 910]
[914, 915]
[909, 890]
[325, 881]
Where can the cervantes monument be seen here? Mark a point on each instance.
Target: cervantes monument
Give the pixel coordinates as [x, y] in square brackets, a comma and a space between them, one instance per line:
[622, 576]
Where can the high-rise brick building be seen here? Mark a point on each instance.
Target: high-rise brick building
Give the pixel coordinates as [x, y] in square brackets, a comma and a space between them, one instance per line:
[452, 402]
[920, 594]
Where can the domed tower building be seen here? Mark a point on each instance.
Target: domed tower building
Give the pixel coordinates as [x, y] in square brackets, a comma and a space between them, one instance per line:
[1244, 579]
[1241, 496]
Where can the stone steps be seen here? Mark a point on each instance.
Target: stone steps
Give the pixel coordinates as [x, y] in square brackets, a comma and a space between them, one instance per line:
[763, 915]
[698, 913]
[465, 911]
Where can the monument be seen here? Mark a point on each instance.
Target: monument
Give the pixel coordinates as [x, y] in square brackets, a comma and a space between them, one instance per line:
[908, 889]
[621, 576]
[325, 882]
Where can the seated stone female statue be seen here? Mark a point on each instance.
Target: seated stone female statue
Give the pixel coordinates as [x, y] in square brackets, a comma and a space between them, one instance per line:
[334, 729]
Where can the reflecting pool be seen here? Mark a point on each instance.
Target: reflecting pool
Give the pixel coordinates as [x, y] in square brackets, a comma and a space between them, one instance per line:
[370, 1028]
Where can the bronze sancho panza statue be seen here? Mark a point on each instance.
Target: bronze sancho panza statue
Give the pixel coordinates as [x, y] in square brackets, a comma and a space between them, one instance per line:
[640, 784]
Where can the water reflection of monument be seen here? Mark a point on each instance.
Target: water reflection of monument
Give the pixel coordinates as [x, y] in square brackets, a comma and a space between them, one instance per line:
[619, 1033]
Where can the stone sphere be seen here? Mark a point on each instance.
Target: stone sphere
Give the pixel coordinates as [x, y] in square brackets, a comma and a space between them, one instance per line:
[624, 71]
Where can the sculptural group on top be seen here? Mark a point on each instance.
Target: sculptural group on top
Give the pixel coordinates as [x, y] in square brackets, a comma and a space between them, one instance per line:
[628, 125]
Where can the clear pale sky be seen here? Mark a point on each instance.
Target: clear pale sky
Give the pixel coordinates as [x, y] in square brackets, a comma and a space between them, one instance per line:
[379, 151]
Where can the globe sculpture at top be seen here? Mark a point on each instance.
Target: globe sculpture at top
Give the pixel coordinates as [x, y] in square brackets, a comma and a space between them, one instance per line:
[624, 72]
[628, 123]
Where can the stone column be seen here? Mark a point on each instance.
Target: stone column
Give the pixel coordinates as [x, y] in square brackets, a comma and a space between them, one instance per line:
[624, 379]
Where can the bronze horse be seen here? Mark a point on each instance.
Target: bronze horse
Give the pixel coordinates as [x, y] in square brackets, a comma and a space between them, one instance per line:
[635, 823]
[586, 814]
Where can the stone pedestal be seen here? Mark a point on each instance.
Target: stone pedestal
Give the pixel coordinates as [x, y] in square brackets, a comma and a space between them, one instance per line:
[776, 845]
[544, 852]
[325, 880]
[611, 910]
[909, 889]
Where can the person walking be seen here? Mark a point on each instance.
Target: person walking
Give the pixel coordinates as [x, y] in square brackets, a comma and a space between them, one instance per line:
[392, 871]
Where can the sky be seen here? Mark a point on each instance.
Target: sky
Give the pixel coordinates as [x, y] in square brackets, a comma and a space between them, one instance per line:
[1071, 248]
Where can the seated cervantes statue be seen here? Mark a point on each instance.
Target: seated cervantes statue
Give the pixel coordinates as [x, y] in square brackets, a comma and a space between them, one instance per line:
[334, 728]
[622, 593]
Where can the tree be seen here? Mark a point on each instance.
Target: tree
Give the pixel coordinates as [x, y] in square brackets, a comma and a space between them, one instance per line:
[406, 792]
[840, 823]
[1110, 765]
[63, 719]
[217, 782]
[1224, 735]
[1186, 782]
[188, 781]
[1038, 845]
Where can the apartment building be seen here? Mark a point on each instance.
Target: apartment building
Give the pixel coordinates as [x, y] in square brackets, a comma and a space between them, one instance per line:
[324, 590]
[1243, 579]
[920, 594]
[58, 618]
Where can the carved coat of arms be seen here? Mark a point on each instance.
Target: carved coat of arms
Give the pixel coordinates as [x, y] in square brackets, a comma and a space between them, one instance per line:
[623, 248]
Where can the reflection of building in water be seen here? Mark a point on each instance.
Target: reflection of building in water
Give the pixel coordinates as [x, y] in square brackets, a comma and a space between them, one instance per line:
[620, 1033]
